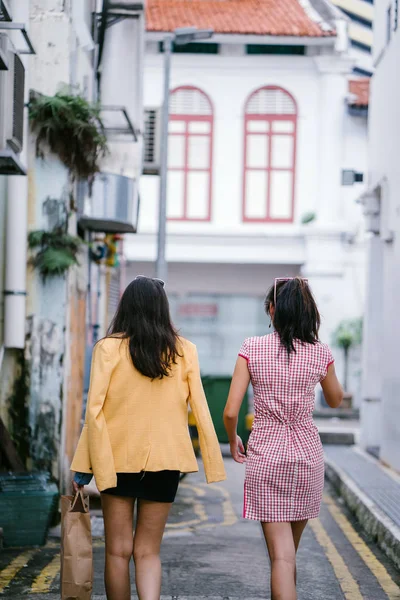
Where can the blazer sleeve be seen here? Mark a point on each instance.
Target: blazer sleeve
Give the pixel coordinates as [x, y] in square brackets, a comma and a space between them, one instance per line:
[94, 452]
[209, 446]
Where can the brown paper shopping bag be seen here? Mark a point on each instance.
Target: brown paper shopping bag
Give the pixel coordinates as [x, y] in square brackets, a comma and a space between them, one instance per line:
[76, 548]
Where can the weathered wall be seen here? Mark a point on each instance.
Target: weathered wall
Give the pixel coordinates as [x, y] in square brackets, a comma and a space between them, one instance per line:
[381, 409]
[47, 308]
[56, 307]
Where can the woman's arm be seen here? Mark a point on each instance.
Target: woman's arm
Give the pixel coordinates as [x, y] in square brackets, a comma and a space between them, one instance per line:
[333, 392]
[209, 446]
[239, 385]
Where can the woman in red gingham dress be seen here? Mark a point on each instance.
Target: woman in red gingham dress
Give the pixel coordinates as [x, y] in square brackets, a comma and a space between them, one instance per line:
[285, 463]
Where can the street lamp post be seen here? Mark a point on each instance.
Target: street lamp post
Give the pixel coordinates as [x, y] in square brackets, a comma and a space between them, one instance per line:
[179, 37]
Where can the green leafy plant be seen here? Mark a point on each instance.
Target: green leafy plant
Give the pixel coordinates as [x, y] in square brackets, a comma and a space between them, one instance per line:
[71, 128]
[348, 335]
[57, 251]
[308, 217]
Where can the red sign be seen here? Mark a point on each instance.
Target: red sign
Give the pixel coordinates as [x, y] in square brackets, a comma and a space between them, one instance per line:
[198, 310]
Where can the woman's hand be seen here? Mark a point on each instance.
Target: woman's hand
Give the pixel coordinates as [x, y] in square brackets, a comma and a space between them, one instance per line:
[237, 450]
[239, 385]
[76, 487]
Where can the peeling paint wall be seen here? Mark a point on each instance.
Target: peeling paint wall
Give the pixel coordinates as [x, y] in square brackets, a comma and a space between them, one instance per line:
[56, 307]
[46, 329]
[44, 353]
[49, 396]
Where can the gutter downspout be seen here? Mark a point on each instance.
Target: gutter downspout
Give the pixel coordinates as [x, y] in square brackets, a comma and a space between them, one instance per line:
[17, 227]
[102, 35]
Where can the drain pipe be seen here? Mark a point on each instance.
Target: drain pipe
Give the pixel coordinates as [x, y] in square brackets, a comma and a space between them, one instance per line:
[17, 227]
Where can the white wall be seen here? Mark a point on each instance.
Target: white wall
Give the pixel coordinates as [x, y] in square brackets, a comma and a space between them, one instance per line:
[320, 155]
[328, 140]
[384, 150]
[355, 157]
[122, 86]
[60, 59]
[229, 81]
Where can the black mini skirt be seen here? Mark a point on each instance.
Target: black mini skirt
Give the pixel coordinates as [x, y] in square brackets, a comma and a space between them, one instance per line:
[156, 486]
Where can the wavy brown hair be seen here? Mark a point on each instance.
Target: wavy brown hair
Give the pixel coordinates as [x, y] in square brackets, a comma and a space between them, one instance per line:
[296, 315]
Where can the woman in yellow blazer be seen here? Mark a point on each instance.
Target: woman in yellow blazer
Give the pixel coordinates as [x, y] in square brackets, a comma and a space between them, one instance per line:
[135, 440]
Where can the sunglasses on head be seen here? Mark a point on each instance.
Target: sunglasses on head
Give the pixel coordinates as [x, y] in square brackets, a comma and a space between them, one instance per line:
[281, 279]
[151, 279]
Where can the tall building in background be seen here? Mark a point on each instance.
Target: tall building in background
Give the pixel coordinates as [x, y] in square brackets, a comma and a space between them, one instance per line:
[361, 15]
[267, 151]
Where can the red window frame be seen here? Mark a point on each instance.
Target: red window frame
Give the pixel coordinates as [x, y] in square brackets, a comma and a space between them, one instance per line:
[186, 169]
[270, 118]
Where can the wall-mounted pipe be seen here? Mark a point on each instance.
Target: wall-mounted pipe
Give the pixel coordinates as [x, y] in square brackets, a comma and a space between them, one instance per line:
[17, 226]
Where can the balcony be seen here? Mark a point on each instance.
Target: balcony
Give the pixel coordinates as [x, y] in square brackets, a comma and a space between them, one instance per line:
[113, 206]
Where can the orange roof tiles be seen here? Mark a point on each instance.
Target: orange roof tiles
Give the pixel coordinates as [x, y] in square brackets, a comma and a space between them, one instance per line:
[359, 88]
[257, 17]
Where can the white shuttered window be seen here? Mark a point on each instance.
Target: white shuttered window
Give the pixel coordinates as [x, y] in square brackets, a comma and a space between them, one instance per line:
[190, 148]
[270, 156]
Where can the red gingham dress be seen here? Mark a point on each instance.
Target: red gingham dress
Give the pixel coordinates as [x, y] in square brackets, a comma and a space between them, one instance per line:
[285, 463]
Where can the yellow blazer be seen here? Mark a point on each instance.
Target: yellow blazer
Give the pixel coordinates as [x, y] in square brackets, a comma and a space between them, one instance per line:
[136, 424]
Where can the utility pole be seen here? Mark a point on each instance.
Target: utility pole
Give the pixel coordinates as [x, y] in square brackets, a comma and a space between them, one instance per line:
[161, 265]
[181, 37]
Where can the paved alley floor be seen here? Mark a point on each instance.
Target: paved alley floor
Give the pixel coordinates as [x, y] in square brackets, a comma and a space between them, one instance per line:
[210, 552]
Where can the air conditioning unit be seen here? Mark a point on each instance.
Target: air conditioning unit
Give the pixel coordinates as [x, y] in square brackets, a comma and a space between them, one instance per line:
[112, 207]
[12, 87]
[5, 14]
[152, 134]
[3, 51]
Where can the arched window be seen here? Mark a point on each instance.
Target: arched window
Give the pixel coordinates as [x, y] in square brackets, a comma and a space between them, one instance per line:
[190, 147]
[270, 126]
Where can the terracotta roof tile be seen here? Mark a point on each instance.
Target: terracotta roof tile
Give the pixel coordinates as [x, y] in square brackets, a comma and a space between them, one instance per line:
[359, 90]
[257, 17]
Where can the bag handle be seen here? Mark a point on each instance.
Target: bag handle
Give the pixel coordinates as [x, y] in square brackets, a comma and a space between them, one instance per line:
[79, 494]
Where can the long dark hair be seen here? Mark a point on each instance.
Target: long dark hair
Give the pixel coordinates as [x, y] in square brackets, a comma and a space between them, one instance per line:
[296, 315]
[143, 316]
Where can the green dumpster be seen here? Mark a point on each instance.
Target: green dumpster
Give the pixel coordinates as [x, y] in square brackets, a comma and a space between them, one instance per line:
[27, 505]
[217, 389]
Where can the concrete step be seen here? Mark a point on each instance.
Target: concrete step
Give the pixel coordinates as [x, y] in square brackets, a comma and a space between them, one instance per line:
[337, 438]
[337, 413]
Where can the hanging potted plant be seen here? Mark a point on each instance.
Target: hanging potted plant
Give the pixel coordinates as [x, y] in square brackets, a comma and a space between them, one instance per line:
[347, 336]
[71, 128]
[56, 251]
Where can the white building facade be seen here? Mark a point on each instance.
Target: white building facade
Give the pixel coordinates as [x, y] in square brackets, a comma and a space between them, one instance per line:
[259, 134]
[381, 405]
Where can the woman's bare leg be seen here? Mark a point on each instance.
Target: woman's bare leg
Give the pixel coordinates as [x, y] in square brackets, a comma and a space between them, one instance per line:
[282, 553]
[118, 527]
[297, 531]
[151, 520]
